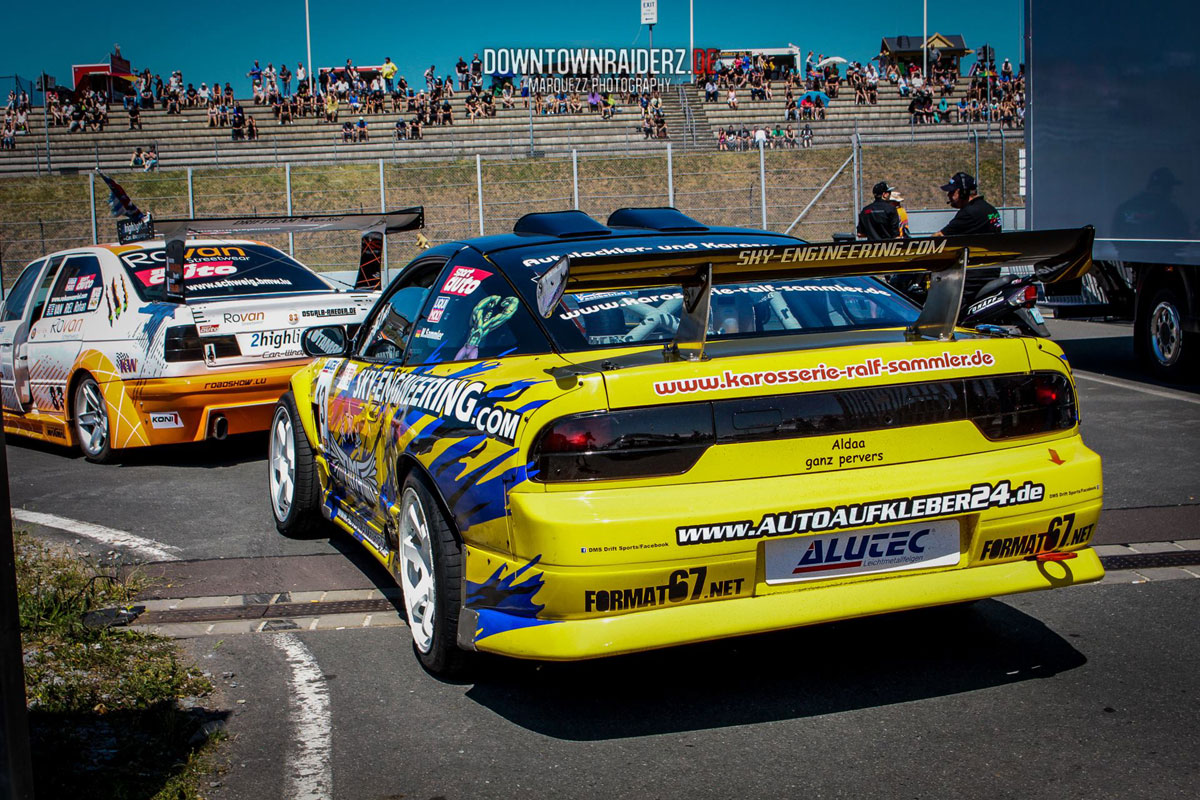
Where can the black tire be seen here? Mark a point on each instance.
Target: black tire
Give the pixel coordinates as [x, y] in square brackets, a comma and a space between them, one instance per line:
[1168, 350]
[296, 502]
[435, 643]
[91, 420]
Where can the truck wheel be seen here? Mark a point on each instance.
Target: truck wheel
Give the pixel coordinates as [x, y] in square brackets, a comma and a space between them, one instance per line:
[292, 474]
[428, 565]
[1170, 350]
[90, 413]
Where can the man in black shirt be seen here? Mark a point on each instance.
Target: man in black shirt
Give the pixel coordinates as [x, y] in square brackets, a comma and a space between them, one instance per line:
[879, 220]
[975, 215]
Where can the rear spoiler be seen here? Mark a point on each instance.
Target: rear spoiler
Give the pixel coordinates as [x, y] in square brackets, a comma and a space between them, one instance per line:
[373, 228]
[1055, 255]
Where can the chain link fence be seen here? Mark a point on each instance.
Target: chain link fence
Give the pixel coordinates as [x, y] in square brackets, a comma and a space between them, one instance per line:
[768, 189]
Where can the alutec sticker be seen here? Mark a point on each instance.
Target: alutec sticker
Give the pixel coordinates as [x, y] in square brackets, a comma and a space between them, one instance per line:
[829, 555]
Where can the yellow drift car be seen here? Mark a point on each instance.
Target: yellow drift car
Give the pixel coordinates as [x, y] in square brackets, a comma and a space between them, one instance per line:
[579, 439]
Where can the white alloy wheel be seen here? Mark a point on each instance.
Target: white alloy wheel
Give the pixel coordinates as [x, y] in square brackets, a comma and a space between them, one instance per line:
[283, 463]
[416, 570]
[91, 418]
[1166, 333]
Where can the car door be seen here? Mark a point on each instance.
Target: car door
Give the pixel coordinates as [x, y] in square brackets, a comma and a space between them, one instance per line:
[57, 337]
[351, 424]
[24, 302]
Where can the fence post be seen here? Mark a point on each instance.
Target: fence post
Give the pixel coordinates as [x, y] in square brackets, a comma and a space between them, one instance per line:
[1003, 168]
[191, 195]
[975, 136]
[287, 183]
[574, 178]
[670, 177]
[92, 200]
[383, 210]
[762, 182]
[479, 188]
[854, 193]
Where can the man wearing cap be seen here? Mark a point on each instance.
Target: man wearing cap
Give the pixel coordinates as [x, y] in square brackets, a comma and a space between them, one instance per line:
[898, 201]
[975, 215]
[879, 220]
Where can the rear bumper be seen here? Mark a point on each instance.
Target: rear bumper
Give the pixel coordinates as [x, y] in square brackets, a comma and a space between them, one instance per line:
[179, 410]
[602, 571]
[685, 624]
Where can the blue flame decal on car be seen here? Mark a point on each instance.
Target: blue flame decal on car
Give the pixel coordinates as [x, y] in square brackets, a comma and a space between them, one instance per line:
[504, 603]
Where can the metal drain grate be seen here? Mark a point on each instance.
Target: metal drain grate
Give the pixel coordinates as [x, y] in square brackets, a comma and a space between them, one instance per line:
[1184, 558]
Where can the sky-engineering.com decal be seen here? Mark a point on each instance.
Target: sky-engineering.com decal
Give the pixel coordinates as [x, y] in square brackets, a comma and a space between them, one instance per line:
[979, 497]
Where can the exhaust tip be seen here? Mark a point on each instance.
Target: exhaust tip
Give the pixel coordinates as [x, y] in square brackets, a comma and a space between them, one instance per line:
[218, 427]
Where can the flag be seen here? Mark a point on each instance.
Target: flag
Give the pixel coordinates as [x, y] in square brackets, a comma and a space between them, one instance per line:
[121, 204]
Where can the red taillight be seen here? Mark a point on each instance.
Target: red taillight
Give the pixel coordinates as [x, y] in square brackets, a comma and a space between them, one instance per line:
[1021, 405]
[634, 443]
[1046, 392]
[1030, 296]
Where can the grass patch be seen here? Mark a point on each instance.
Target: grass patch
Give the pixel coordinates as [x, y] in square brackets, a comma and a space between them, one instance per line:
[112, 713]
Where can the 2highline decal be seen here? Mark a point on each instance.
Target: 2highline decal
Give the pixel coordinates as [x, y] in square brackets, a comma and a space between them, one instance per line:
[979, 497]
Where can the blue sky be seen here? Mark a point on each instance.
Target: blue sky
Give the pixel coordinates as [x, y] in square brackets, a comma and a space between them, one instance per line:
[219, 39]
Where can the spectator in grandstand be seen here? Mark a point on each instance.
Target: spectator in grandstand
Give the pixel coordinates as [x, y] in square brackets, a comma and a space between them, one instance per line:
[77, 120]
[660, 127]
[722, 140]
[135, 118]
[331, 107]
[9, 139]
[429, 77]
[710, 90]
[447, 114]
[731, 99]
[360, 130]
[414, 128]
[790, 110]
[647, 125]
[237, 124]
[347, 131]
[301, 75]
[506, 97]
[462, 71]
[789, 138]
[96, 117]
[138, 159]
[255, 74]
[806, 136]
[151, 160]
[401, 129]
[593, 100]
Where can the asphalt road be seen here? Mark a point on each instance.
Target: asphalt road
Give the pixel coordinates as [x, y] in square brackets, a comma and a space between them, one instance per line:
[1087, 692]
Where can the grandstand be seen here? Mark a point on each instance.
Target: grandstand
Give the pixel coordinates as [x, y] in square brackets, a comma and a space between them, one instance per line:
[187, 141]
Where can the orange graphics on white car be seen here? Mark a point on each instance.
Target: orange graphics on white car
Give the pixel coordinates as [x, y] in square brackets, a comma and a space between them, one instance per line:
[94, 352]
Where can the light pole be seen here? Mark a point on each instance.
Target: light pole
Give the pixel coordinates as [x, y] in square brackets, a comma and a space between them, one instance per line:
[924, 40]
[308, 39]
[692, 33]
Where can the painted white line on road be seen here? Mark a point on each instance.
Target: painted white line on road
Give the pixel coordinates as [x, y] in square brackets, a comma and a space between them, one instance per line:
[310, 771]
[1137, 387]
[111, 537]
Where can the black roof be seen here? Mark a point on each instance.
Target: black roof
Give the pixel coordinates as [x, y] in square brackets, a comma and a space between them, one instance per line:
[912, 44]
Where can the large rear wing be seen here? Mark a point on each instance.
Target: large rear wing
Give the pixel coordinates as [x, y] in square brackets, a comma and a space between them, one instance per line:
[1054, 255]
[373, 228]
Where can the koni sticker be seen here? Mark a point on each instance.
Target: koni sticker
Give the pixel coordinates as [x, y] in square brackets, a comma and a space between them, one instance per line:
[979, 497]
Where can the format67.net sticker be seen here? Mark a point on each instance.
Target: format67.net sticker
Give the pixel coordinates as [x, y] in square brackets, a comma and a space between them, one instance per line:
[828, 555]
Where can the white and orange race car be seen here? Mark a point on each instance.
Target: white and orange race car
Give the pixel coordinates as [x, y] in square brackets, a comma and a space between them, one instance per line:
[95, 352]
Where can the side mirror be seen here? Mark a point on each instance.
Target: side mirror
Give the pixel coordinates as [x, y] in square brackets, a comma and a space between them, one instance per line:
[328, 340]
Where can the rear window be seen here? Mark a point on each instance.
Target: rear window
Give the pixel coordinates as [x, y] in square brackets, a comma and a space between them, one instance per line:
[222, 270]
[604, 319]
